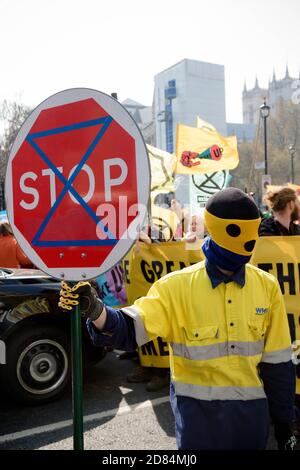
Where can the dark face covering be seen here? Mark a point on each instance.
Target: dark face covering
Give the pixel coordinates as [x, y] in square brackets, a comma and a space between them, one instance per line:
[232, 221]
[225, 259]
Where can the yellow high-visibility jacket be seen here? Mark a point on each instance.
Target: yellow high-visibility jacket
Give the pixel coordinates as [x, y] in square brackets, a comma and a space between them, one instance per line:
[230, 350]
[217, 336]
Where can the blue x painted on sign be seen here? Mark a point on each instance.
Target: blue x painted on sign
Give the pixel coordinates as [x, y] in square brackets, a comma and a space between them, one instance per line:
[31, 139]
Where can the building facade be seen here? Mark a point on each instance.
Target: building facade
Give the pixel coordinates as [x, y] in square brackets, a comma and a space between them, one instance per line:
[184, 91]
[143, 116]
[278, 91]
[243, 132]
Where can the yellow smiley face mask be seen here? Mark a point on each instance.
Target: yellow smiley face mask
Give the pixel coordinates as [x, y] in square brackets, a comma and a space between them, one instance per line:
[232, 220]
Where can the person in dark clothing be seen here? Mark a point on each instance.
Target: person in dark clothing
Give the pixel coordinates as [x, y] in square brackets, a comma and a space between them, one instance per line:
[286, 213]
[227, 328]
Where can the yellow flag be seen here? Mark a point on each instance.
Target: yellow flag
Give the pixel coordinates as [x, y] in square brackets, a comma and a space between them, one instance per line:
[205, 125]
[202, 150]
[162, 166]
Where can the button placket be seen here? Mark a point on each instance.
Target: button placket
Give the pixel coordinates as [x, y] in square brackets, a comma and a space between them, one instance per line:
[231, 320]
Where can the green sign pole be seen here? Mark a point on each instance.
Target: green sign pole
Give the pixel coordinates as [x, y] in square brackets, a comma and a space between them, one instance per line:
[77, 380]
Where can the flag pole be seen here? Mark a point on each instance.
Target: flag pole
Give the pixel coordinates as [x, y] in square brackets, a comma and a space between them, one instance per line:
[77, 398]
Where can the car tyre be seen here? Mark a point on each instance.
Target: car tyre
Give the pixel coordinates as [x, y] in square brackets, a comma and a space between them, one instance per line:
[38, 364]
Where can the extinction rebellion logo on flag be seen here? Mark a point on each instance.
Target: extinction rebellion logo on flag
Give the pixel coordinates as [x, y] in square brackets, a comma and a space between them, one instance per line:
[202, 186]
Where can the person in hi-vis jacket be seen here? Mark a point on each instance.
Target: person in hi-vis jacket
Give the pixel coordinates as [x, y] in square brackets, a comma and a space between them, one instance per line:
[226, 324]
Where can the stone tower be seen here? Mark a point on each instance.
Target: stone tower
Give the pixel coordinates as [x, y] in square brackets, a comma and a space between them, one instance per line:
[278, 91]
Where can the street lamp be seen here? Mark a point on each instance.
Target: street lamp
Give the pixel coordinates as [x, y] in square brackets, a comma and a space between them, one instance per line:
[264, 114]
[292, 153]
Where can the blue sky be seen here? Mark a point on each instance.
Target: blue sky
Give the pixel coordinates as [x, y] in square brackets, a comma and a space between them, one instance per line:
[115, 45]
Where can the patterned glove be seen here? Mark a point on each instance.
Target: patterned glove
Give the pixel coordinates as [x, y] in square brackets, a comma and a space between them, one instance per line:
[285, 437]
[82, 294]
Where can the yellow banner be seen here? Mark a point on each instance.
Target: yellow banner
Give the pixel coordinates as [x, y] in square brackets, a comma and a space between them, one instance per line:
[202, 150]
[147, 263]
[280, 256]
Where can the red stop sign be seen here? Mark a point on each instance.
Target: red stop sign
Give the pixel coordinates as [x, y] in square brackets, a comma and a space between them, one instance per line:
[77, 184]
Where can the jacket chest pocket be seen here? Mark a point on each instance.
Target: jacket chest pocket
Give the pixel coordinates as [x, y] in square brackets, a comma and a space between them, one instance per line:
[256, 330]
[200, 333]
[199, 343]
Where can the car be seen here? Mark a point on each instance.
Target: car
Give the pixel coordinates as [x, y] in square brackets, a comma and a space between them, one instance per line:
[35, 338]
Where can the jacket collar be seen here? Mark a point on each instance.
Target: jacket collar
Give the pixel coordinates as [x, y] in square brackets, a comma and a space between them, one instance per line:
[217, 277]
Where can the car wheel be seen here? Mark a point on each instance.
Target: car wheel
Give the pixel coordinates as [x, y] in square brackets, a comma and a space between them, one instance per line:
[38, 364]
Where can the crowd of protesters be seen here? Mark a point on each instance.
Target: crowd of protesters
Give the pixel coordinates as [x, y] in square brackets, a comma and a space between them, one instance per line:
[281, 217]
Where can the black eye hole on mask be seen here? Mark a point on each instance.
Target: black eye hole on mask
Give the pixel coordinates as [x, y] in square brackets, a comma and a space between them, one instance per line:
[249, 246]
[233, 230]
